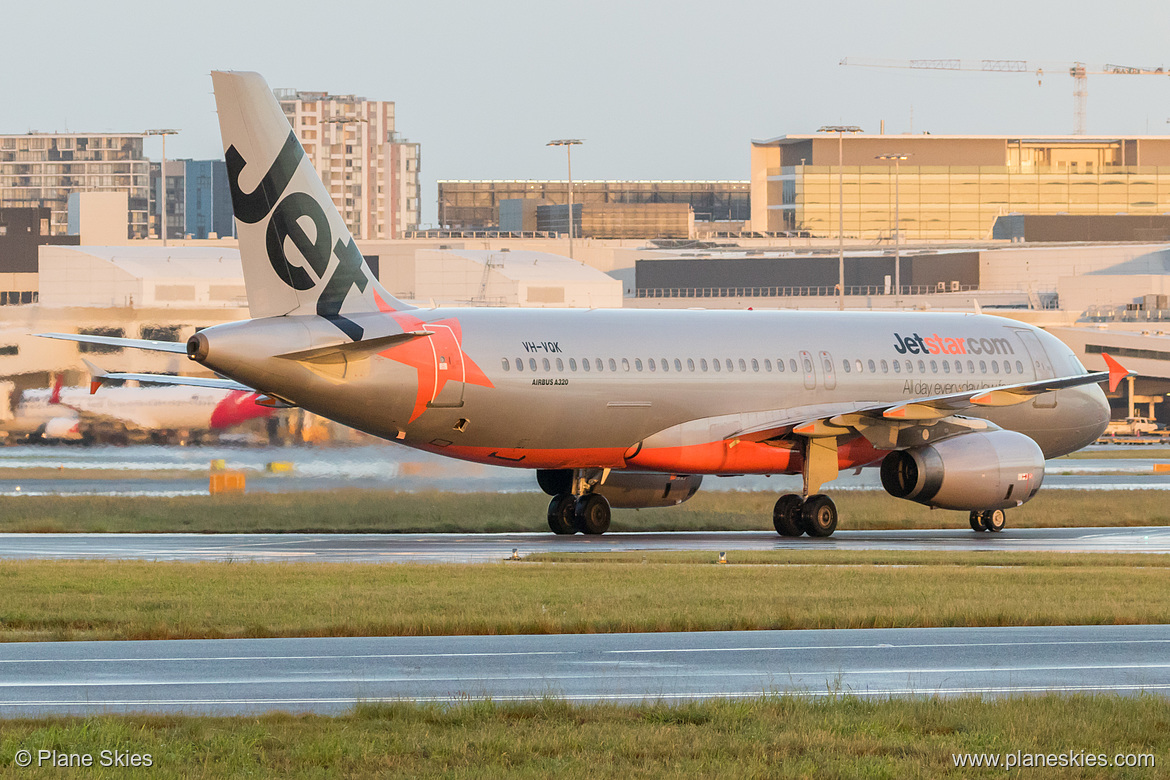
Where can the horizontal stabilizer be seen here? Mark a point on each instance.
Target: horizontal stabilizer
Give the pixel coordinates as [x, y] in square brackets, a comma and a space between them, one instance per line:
[217, 383]
[179, 348]
[353, 350]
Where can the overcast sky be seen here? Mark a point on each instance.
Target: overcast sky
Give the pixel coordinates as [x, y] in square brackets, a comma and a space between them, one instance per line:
[658, 90]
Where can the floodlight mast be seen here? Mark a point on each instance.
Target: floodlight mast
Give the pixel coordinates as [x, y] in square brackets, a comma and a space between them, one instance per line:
[897, 158]
[162, 182]
[568, 143]
[840, 130]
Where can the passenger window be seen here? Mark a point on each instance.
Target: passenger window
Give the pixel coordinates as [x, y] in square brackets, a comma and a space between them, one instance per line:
[934, 366]
[665, 364]
[946, 367]
[730, 365]
[519, 364]
[860, 368]
[637, 364]
[690, 364]
[545, 363]
[910, 367]
[560, 365]
[845, 365]
[792, 365]
[625, 364]
[808, 366]
[1019, 367]
[612, 364]
[715, 364]
[585, 364]
[970, 366]
[572, 364]
[780, 365]
[995, 366]
[872, 367]
[532, 363]
[921, 367]
[958, 366]
[703, 364]
[742, 365]
[650, 363]
[897, 367]
[1007, 366]
[982, 367]
[755, 365]
[768, 365]
[677, 364]
[507, 365]
[598, 363]
[885, 367]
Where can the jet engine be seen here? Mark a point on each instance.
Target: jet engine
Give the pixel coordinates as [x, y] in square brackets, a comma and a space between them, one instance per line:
[62, 428]
[624, 490]
[972, 471]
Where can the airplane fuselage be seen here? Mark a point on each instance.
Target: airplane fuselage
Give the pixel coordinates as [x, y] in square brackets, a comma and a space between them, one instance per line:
[540, 388]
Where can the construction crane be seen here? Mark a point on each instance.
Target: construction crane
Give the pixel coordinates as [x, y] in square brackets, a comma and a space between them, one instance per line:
[1079, 71]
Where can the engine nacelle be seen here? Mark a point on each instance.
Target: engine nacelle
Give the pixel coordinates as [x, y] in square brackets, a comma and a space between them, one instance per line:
[973, 471]
[625, 490]
[62, 428]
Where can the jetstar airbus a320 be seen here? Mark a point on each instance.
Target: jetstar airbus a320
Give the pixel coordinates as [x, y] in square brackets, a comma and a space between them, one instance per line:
[629, 408]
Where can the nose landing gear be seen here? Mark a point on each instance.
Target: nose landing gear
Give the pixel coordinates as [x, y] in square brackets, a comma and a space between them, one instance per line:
[992, 520]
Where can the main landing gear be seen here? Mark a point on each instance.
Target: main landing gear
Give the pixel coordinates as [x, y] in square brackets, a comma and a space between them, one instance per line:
[815, 516]
[990, 520]
[588, 514]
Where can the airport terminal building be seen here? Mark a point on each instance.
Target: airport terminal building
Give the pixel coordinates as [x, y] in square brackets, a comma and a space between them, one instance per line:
[950, 187]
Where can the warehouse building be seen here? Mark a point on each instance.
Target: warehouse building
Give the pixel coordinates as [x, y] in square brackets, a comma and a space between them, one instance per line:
[475, 205]
[950, 187]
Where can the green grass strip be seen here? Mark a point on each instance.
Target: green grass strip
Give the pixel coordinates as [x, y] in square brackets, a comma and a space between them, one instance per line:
[362, 511]
[773, 736]
[62, 600]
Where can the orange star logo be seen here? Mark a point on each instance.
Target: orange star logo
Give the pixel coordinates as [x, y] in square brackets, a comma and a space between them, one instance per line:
[438, 359]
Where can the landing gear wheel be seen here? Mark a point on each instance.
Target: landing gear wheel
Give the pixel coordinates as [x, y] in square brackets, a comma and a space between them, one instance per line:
[819, 516]
[592, 514]
[977, 522]
[786, 515]
[560, 514]
[994, 520]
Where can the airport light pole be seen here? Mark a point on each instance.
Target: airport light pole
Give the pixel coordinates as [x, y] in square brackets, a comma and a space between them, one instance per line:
[897, 158]
[162, 182]
[568, 143]
[840, 130]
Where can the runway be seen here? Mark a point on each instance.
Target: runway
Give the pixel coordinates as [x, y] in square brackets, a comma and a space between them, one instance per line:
[486, 548]
[328, 675]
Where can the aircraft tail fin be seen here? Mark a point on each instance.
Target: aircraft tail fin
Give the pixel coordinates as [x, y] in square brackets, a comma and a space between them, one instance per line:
[297, 253]
[58, 383]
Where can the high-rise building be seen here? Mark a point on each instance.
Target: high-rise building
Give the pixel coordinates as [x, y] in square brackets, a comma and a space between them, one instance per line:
[199, 199]
[42, 169]
[371, 174]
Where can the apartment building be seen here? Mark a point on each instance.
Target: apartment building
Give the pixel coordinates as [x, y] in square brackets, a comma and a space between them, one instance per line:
[43, 169]
[370, 172]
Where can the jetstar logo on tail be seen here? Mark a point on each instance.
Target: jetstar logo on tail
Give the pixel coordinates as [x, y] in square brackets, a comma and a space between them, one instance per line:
[438, 358]
[318, 251]
[938, 345]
